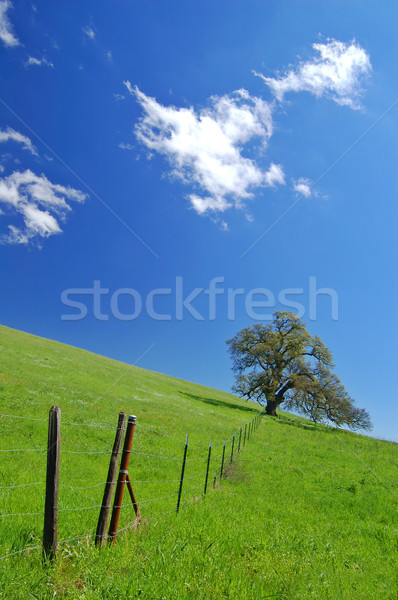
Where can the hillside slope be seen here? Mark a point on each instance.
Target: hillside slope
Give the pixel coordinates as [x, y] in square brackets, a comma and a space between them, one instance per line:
[304, 512]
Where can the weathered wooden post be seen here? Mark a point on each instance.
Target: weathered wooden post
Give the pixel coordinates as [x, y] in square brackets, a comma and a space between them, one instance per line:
[106, 506]
[52, 485]
[123, 472]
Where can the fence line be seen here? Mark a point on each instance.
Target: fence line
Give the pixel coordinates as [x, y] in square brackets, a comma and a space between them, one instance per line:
[172, 437]
[21, 515]
[88, 487]
[77, 509]
[11, 487]
[86, 452]
[26, 450]
[219, 471]
[21, 417]
[20, 551]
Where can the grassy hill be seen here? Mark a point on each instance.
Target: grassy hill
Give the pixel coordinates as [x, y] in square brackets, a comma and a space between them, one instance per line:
[305, 511]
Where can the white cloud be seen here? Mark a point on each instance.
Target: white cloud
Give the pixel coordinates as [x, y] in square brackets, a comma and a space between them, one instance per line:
[11, 134]
[303, 186]
[202, 205]
[31, 61]
[118, 97]
[89, 32]
[7, 35]
[109, 56]
[205, 147]
[275, 175]
[128, 86]
[41, 204]
[336, 73]
[124, 146]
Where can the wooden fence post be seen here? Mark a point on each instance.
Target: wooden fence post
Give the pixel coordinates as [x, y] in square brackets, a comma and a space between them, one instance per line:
[182, 473]
[123, 472]
[207, 469]
[52, 485]
[103, 518]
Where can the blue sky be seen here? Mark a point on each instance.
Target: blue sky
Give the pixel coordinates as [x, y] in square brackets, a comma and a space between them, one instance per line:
[169, 149]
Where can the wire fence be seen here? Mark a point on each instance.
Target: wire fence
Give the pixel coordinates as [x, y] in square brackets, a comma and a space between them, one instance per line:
[148, 458]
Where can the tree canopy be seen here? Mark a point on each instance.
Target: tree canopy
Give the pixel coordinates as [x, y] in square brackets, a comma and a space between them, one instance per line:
[282, 363]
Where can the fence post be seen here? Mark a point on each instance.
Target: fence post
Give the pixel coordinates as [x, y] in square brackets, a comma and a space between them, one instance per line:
[244, 437]
[123, 472]
[232, 449]
[240, 437]
[182, 473]
[52, 485]
[215, 479]
[133, 498]
[207, 469]
[103, 518]
[222, 461]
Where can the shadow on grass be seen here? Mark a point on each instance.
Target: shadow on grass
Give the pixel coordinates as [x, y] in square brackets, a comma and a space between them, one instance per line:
[302, 424]
[215, 402]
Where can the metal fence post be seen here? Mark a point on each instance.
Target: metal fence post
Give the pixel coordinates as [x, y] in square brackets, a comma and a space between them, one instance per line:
[207, 469]
[222, 461]
[240, 437]
[52, 485]
[232, 449]
[244, 437]
[182, 473]
[123, 472]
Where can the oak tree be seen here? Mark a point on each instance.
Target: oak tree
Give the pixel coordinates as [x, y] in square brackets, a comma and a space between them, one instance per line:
[282, 363]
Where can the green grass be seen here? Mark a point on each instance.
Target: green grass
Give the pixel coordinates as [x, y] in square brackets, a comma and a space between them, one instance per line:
[304, 512]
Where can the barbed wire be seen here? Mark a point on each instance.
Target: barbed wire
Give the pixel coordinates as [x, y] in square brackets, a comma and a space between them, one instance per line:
[21, 417]
[172, 437]
[20, 551]
[63, 422]
[26, 450]
[78, 509]
[93, 425]
[164, 456]
[21, 515]
[152, 516]
[88, 487]
[85, 452]
[11, 487]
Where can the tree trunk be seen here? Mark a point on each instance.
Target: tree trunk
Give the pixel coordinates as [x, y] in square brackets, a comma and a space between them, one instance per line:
[271, 407]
